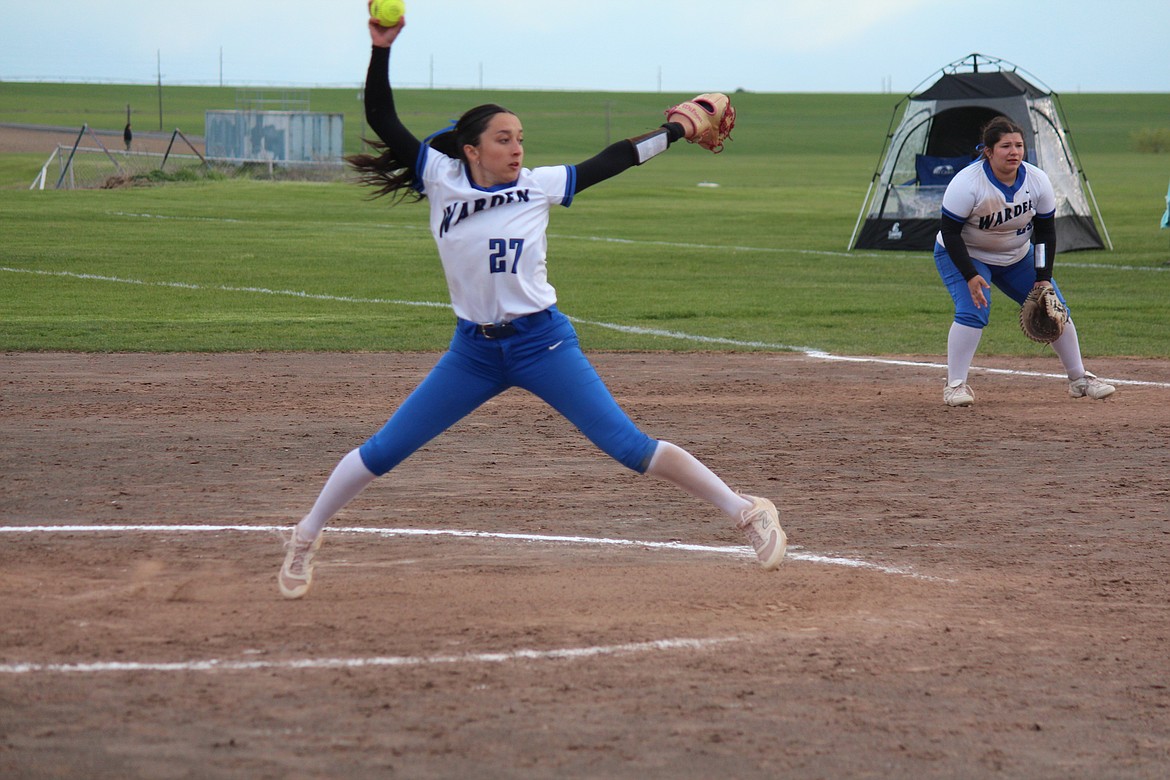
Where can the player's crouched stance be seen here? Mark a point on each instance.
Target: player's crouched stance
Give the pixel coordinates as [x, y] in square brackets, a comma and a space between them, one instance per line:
[999, 226]
[489, 215]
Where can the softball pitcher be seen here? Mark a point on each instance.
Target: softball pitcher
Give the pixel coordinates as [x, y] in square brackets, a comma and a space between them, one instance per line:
[999, 226]
[488, 217]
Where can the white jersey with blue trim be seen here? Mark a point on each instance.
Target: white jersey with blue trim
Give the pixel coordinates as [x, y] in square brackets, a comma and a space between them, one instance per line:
[998, 218]
[492, 241]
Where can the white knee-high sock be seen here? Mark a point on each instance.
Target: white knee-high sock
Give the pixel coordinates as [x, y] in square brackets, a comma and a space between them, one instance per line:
[1068, 349]
[962, 341]
[349, 478]
[676, 465]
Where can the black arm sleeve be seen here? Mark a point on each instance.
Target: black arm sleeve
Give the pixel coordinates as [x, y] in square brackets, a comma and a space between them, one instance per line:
[381, 114]
[617, 157]
[952, 235]
[1044, 232]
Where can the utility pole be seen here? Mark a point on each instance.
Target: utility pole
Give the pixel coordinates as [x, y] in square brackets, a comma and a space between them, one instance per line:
[160, 113]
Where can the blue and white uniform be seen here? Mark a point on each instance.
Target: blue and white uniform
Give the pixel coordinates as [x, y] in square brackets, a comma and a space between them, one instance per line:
[509, 333]
[992, 233]
[998, 222]
[493, 245]
[493, 242]
[998, 218]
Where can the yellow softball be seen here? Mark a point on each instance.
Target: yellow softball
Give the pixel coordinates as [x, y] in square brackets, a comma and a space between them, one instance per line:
[387, 12]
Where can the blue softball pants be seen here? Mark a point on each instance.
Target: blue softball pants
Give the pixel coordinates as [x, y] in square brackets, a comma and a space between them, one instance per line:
[1015, 280]
[543, 357]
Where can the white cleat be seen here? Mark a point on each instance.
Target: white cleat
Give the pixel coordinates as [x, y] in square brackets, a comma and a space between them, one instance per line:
[1090, 386]
[761, 524]
[296, 575]
[958, 393]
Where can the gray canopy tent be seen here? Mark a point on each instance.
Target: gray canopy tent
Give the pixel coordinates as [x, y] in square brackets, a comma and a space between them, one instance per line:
[937, 136]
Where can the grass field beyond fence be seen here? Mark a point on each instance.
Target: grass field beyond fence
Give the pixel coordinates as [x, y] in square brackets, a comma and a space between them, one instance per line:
[655, 259]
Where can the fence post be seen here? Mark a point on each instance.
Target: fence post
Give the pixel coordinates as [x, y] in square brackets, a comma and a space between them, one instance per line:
[69, 162]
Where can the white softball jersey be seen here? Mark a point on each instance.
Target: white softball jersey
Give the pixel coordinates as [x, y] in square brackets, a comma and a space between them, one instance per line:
[998, 218]
[492, 242]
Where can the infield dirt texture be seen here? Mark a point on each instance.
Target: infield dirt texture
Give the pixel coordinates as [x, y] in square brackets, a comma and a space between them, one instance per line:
[972, 592]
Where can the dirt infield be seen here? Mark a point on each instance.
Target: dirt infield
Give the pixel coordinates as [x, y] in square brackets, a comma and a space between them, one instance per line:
[970, 592]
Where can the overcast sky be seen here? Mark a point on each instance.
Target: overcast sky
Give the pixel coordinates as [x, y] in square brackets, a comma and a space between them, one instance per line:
[632, 45]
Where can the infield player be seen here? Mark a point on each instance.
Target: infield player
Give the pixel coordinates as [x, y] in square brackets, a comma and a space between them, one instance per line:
[999, 227]
[488, 216]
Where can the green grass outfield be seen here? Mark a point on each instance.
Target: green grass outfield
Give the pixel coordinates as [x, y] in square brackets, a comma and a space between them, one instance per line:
[649, 260]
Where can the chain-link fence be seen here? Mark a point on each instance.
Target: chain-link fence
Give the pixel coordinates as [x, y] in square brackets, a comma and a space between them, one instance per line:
[97, 166]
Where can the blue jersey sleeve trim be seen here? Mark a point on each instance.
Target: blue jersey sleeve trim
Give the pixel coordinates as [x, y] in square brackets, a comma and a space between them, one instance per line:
[953, 215]
[570, 185]
[1049, 215]
[420, 166]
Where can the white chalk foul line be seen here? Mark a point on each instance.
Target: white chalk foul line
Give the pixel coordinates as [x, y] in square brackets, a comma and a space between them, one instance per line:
[812, 352]
[819, 355]
[216, 665]
[223, 288]
[734, 550]
[737, 551]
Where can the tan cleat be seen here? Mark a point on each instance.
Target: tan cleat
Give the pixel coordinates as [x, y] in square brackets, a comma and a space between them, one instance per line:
[296, 575]
[1090, 386]
[958, 393]
[761, 524]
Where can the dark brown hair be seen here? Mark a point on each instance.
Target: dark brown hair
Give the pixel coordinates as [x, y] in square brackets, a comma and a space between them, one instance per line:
[394, 177]
[995, 130]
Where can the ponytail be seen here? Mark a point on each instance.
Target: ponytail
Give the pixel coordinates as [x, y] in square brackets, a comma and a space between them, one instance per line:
[385, 173]
[397, 178]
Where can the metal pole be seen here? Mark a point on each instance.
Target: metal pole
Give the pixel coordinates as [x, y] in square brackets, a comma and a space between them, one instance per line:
[69, 162]
[861, 214]
[102, 146]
